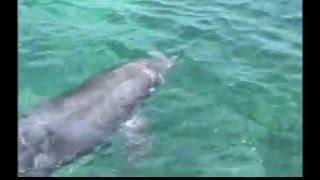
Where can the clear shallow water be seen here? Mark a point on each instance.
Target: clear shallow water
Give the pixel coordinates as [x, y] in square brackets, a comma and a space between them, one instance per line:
[231, 107]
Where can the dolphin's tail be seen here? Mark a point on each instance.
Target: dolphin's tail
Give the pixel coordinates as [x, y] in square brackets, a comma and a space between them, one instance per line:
[160, 56]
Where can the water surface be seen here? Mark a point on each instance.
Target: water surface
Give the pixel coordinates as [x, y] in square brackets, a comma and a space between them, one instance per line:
[231, 107]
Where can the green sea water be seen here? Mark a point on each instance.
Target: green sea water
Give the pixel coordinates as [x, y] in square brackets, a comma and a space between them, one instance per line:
[232, 106]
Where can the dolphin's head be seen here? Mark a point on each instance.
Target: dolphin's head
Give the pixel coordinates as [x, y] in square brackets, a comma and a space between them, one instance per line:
[148, 72]
[160, 63]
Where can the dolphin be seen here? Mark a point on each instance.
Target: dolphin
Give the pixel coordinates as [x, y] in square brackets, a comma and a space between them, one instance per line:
[58, 131]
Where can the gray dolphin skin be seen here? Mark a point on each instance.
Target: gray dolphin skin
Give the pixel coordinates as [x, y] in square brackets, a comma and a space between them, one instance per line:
[57, 132]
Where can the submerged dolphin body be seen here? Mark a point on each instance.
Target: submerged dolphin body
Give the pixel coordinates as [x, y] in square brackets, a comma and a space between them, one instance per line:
[57, 132]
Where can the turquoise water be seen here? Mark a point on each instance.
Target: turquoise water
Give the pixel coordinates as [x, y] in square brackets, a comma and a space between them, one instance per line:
[231, 107]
